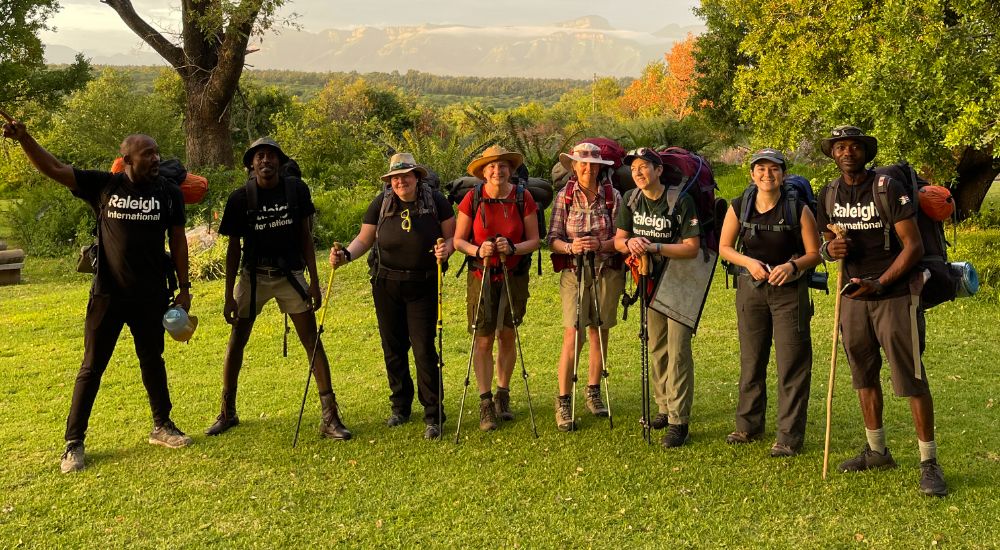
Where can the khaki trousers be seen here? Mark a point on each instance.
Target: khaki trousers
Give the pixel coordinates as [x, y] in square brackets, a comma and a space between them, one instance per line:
[671, 368]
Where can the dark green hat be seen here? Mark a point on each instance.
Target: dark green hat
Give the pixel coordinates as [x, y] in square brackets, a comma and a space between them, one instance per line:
[263, 142]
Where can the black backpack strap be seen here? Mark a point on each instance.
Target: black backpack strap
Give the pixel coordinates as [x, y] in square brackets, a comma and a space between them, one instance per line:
[880, 189]
[828, 199]
[749, 195]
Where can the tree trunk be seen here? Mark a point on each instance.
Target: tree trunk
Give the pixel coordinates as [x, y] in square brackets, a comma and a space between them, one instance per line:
[976, 172]
[206, 127]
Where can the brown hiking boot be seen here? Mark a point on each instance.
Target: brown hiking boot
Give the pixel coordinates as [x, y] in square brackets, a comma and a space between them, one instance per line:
[594, 402]
[501, 401]
[332, 427]
[227, 416]
[564, 416]
[742, 438]
[487, 415]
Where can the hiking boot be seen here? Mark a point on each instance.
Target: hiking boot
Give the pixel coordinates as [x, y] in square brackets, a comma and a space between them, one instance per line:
[332, 427]
[868, 460]
[741, 438]
[72, 457]
[487, 415]
[564, 416]
[780, 450]
[660, 421]
[501, 401]
[931, 478]
[432, 431]
[167, 435]
[227, 417]
[397, 419]
[594, 402]
[677, 435]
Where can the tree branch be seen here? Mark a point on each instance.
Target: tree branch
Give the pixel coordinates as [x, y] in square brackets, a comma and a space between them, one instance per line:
[170, 52]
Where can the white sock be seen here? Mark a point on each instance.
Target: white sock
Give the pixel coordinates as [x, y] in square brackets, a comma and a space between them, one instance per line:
[928, 450]
[876, 439]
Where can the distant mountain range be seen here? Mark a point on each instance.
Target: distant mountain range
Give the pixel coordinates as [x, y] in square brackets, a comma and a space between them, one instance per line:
[571, 49]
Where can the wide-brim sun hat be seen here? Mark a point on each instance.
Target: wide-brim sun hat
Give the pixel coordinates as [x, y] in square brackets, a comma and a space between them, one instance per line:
[263, 142]
[850, 132]
[770, 154]
[494, 153]
[647, 154]
[583, 152]
[401, 163]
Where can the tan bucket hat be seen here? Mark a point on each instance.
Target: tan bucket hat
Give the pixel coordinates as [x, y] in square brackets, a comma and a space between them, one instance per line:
[494, 153]
[401, 163]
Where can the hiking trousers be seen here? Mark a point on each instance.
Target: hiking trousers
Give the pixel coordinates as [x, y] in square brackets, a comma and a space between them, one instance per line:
[765, 312]
[106, 316]
[407, 317]
[671, 368]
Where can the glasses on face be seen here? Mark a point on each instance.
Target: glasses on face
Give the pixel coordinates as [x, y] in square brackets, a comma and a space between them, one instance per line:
[401, 166]
[406, 224]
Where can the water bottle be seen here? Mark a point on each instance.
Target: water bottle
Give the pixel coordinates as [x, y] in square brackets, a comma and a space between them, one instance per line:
[178, 324]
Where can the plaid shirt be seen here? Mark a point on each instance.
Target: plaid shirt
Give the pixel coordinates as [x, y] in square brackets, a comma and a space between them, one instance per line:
[582, 218]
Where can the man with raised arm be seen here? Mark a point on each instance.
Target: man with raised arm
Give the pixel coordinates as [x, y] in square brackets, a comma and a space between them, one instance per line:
[135, 210]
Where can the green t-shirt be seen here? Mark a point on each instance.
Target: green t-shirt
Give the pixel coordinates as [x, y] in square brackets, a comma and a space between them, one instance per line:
[651, 219]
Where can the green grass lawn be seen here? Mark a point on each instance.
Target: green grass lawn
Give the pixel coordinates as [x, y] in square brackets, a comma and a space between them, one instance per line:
[389, 487]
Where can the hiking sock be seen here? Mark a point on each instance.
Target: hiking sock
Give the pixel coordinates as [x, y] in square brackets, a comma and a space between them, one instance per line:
[501, 388]
[594, 387]
[564, 396]
[876, 440]
[327, 392]
[487, 395]
[928, 449]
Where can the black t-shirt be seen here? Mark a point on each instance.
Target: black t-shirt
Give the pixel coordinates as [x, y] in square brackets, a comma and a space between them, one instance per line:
[132, 263]
[277, 237]
[854, 208]
[403, 250]
[771, 247]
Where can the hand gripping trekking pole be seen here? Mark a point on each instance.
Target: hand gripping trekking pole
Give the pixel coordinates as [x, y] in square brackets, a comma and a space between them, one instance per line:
[578, 263]
[312, 356]
[840, 232]
[594, 290]
[472, 349]
[517, 338]
[440, 329]
[647, 425]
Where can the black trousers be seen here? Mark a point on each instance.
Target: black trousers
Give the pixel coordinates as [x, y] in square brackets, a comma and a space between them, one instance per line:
[407, 317]
[105, 318]
[764, 312]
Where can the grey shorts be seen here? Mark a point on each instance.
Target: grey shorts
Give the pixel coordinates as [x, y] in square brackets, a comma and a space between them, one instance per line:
[271, 286]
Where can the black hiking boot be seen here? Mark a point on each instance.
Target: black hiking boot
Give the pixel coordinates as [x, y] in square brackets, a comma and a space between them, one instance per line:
[868, 460]
[677, 435]
[564, 416]
[227, 416]
[660, 421]
[432, 431]
[594, 402]
[487, 415]
[501, 400]
[332, 427]
[397, 419]
[932, 479]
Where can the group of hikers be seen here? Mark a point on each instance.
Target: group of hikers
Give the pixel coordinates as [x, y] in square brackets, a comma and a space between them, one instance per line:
[597, 236]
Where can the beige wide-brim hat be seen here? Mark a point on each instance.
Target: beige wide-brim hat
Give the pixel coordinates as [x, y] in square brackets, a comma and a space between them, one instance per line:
[583, 152]
[494, 153]
[401, 163]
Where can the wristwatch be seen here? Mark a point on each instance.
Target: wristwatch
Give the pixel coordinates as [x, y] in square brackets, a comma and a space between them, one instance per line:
[347, 254]
[879, 287]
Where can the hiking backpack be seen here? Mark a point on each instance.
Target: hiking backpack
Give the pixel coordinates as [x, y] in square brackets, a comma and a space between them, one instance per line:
[689, 173]
[193, 187]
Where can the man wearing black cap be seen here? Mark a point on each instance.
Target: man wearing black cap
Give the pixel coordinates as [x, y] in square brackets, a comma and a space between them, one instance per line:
[135, 209]
[272, 215]
[881, 309]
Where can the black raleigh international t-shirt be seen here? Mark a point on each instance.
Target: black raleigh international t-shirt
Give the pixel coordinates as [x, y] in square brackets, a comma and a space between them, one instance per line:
[276, 235]
[854, 207]
[132, 263]
[771, 247]
[403, 250]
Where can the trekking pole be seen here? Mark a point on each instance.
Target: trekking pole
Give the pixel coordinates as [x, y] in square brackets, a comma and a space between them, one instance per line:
[591, 257]
[644, 348]
[472, 349]
[840, 232]
[440, 329]
[517, 338]
[578, 263]
[312, 356]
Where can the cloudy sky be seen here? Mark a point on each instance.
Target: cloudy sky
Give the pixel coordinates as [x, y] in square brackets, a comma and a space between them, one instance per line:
[93, 28]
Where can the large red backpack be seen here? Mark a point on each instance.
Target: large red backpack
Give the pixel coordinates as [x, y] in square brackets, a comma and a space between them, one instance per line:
[692, 174]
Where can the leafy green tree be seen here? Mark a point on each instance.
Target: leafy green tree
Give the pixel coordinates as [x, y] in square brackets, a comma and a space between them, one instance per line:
[23, 75]
[921, 75]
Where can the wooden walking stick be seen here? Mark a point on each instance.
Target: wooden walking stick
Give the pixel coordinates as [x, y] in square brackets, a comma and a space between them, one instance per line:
[840, 232]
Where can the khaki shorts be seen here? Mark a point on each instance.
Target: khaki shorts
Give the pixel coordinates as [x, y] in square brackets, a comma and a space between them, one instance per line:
[611, 283]
[277, 287]
[494, 298]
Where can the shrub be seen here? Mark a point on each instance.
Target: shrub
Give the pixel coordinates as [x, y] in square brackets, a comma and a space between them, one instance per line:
[48, 221]
[339, 212]
[209, 264]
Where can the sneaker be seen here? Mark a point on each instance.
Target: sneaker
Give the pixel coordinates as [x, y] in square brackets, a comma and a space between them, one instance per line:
[660, 421]
[595, 404]
[741, 438]
[168, 435]
[677, 435]
[72, 457]
[501, 401]
[868, 460]
[487, 415]
[432, 431]
[564, 416]
[397, 419]
[780, 450]
[931, 478]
